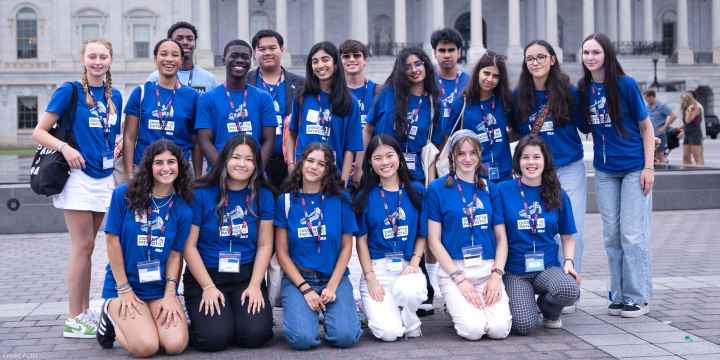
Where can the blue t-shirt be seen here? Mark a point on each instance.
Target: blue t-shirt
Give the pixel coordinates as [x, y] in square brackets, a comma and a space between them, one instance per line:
[658, 114]
[89, 125]
[337, 220]
[173, 120]
[382, 118]
[245, 115]
[374, 222]
[510, 206]
[564, 141]
[240, 225]
[446, 206]
[488, 119]
[451, 92]
[170, 228]
[277, 92]
[613, 152]
[316, 123]
[364, 95]
[198, 78]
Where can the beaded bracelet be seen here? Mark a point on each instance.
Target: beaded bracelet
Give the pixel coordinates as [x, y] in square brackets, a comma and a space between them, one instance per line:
[306, 291]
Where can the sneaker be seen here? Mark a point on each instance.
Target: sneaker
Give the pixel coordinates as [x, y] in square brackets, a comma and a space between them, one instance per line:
[79, 327]
[614, 309]
[105, 331]
[425, 309]
[634, 310]
[413, 333]
[552, 324]
[568, 309]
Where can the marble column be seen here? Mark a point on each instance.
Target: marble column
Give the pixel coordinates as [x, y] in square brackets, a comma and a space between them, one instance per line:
[625, 14]
[551, 13]
[716, 31]
[243, 20]
[540, 16]
[281, 26]
[400, 27]
[588, 17]
[514, 51]
[359, 20]
[203, 52]
[436, 20]
[115, 33]
[648, 21]
[318, 21]
[684, 53]
[477, 48]
[612, 20]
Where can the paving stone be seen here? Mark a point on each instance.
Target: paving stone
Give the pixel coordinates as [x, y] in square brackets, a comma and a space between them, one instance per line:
[663, 337]
[612, 339]
[634, 350]
[692, 348]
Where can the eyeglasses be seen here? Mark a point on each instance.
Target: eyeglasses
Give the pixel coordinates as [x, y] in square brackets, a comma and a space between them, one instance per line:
[539, 58]
[416, 65]
[348, 56]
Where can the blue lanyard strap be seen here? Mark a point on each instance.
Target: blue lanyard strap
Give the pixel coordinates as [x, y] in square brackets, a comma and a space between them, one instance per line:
[243, 106]
[316, 231]
[532, 219]
[230, 220]
[164, 117]
[468, 209]
[149, 224]
[393, 220]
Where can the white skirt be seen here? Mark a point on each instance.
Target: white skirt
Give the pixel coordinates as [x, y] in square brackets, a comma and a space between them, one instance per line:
[85, 193]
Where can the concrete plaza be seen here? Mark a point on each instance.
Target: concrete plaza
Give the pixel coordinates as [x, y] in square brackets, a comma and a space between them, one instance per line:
[684, 321]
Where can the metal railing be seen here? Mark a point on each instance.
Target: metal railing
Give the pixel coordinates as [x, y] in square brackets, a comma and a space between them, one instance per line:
[642, 47]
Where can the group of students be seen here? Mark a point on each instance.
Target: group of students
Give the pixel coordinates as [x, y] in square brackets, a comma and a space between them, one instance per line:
[299, 168]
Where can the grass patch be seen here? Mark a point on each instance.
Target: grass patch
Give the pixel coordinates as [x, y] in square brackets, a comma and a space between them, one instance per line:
[17, 151]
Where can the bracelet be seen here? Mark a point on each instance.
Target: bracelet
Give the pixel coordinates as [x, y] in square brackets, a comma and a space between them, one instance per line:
[208, 286]
[59, 148]
[172, 280]
[124, 291]
[455, 274]
[458, 282]
[417, 256]
[570, 260]
[649, 168]
[498, 271]
[122, 286]
[301, 284]
[307, 291]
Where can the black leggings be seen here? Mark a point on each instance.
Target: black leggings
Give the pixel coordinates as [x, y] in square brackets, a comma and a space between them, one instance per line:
[234, 325]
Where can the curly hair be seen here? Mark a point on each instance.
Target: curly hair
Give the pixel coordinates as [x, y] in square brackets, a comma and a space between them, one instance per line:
[218, 176]
[140, 187]
[454, 152]
[331, 183]
[550, 192]
[370, 179]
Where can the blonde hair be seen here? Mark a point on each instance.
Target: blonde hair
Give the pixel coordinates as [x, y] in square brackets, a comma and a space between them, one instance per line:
[108, 77]
[687, 99]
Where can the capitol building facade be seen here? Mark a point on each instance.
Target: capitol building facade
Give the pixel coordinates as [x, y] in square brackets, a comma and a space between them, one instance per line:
[675, 41]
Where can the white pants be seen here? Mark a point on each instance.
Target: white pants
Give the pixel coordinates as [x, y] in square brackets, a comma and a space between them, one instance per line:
[395, 315]
[470, 322]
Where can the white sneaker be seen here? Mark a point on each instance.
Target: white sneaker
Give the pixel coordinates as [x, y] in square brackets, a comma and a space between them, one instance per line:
[80, 327]
[634, 310]
[414, 333]
[552, 324]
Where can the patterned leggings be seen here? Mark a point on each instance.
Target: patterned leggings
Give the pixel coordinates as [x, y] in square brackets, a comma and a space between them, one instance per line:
[555, 289]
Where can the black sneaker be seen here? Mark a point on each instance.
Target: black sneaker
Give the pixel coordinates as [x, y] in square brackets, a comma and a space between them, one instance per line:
[615, 308]
[425, 309]
[105, 334]
[634, 310]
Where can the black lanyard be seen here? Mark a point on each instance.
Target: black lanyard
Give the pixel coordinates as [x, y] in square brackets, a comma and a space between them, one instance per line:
[316, 231]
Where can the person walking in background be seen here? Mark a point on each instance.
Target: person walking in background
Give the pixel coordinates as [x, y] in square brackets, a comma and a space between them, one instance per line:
[662, 117]
[86, 195]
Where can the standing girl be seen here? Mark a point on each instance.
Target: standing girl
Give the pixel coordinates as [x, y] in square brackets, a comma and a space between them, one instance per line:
[536, 210]
[624, 146]
[546, 104]
[229, 250]
[467, 236]
[86, 195]
[325, 112]
[391, 241]
[163, 109]
[314, 226]
[148, 223]
[408, 109]
[487, 107]
[692, 130]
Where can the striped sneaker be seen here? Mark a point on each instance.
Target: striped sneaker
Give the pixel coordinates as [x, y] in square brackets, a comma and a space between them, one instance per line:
[106, 331]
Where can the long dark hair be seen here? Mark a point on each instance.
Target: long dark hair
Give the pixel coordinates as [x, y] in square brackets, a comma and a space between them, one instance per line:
[140, 187]
[340, 97]
[331, 182]
[398, 80]
[370, 179]
[479, 172]
[613, 70]
[559, 98]
[550, 190]
[218, 176]
[501, 91]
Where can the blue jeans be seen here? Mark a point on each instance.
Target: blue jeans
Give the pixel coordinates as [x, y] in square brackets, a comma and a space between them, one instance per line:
[301, 324]
[573, 181]
[626, 214]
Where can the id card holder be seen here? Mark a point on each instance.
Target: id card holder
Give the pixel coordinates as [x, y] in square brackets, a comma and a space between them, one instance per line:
[534, 262]
[229, 262]
[108, 160]
[394, 262]
[410, 160]
[493, 173]
[149, 271]
[472, 256]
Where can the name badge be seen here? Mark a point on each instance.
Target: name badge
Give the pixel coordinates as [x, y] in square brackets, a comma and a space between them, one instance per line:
[413, 130]
[483, 137]
[363, 120]
[446, 112]
[155, 124]
[547, 127]
[410, 160]
[321, 130]
[478, 220]
[94, 122]
[493, 173]
[149, 271]
[472, 256]
[534, 262]
[313, 116]
[498, 135]
[279, 127]
[402, 232]
[107, 160]
[394, 262]
[229, 262]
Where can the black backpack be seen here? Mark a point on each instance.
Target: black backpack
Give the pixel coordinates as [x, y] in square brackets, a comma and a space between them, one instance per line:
[49, 170]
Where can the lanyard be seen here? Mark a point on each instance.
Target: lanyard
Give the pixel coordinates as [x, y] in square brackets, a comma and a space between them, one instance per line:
[455, 89]
[600, 116]
[165, 116]
[148, 223]
[324, 122]
[362, 100]
[192, 71]
[468, 209]
[413, 117]
[392, 219]
[486, 121]
[230, 220]
[272, 89]
[316, 231]
[104, 116]
[243, 107]
[532, 219]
